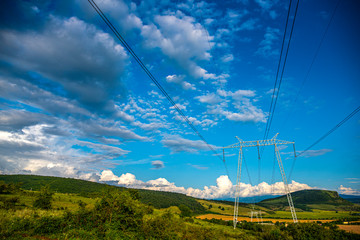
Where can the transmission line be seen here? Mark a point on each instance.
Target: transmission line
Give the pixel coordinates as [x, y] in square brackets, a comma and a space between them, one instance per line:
[326, 134]
[146, 70]
[313, 59]
[277, 89]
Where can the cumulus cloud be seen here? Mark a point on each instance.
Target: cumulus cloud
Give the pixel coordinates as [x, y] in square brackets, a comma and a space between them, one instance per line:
[157, 164]
[180, 81]
[223, 188]
[108, 175]
[182, 40]
[210, 98]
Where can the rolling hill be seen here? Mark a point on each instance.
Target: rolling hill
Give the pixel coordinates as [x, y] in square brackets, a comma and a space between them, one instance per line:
[92, 189]
[311, 199]
[305, 199]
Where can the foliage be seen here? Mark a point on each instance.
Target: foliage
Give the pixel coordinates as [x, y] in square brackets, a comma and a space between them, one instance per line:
[9, 203]
[166, 199]
[6, 188]
[185, 210]
[44, 199]
[91, 189]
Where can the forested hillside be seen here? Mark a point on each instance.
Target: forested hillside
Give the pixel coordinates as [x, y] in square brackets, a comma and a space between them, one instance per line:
[156, 199]
[308, 199]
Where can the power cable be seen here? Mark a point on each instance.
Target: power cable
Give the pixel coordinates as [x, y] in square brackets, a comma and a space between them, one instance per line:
[326, 134]
[277, 73]
[146, 70]
[283, 68]
[270, 119]
[313, 59]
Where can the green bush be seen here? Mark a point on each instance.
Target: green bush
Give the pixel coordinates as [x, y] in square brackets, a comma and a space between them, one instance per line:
[44, 199]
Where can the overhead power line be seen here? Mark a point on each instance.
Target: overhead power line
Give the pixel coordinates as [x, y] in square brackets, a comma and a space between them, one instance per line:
[146, 70]
[331, 130]
[277, 87]
[313, 59]
[277, 73]
[325, 135]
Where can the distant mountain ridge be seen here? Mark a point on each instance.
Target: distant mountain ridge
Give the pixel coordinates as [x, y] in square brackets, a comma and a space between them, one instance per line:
[249, 199]
[351, 198]
[308, 199]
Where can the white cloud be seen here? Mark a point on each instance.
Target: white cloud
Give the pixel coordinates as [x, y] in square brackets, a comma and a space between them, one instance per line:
[182, 40]
[237, 95]
[120, 11]
[227, 58]
[266, 46]
[265, 4]
[180, 81]
[108, 175]
[210, 98]
[315, 153]
[128, 179]
[348, 190]
[179, 144]
[223, 189]
[34, 150]
[244, 109]
[249, 24]
[198, 166]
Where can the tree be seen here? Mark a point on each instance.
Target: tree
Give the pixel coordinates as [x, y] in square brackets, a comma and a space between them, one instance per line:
[44, 199]
[10, 203]
[185, 211]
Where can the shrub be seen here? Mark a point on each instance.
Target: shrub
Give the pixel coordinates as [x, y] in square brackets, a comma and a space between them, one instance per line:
[44, 199]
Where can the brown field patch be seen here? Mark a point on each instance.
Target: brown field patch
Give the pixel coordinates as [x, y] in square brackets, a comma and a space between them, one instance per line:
[274, 220]
[350, 228]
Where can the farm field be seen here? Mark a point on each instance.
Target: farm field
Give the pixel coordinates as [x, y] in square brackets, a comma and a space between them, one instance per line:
[350, 228]
[248, 219]
[227, 211]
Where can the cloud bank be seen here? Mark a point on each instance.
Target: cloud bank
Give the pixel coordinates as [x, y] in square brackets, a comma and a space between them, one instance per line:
[223, 188]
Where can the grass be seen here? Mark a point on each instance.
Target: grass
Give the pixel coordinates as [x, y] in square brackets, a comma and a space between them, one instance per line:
[229, 230]
[60, 200]
[228, 209]
[315, 214]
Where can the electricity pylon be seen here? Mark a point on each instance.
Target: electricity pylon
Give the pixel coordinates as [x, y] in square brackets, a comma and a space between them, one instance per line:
[243, 144]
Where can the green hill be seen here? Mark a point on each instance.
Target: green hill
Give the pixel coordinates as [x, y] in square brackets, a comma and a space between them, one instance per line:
[311, 199]
[92, 189]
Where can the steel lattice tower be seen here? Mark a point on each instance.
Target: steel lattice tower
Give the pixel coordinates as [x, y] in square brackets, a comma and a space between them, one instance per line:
[275, 142]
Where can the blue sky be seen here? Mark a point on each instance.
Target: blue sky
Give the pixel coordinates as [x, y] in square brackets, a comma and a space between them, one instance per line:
[74, 103]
